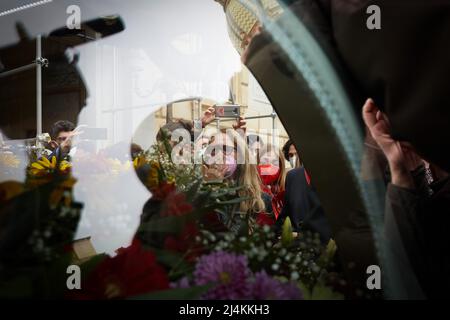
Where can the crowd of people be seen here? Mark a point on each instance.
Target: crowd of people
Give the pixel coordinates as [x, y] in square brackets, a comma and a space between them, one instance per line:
[275, 181]
[276, 184]
[274, 187]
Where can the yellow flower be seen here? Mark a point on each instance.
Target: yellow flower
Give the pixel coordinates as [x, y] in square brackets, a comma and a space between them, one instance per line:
[153, 175]
[44, 166]
[64, 165]
[139, 162]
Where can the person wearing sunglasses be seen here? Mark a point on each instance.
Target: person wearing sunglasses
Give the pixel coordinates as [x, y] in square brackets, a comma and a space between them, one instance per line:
[227, 160]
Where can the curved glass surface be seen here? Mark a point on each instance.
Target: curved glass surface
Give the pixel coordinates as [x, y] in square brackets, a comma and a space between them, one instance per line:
[185, 136]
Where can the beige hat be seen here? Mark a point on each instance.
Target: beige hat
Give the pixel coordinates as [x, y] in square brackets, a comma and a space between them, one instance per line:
[242, 18]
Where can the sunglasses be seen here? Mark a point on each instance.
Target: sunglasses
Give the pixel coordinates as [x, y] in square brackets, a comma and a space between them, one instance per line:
[225, 149]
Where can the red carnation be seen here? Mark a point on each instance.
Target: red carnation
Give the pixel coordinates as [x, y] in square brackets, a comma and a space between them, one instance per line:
[163, 190]
[175, 204]
[131, 272]
[212, 222]
[185, 241]
[264, 219]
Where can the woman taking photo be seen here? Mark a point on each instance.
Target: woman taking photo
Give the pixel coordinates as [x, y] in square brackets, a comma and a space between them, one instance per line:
[227, 160]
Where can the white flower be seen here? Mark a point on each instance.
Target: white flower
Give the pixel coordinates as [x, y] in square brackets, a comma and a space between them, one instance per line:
[295, 275]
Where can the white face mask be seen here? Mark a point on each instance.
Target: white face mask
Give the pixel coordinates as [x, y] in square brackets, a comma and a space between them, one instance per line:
[293, 161]
[72, 151]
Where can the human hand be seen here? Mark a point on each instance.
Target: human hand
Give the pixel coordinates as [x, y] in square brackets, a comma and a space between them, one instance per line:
[240, 123]
[64, 140]
[380, 130]
[208, 116]
[400, 155]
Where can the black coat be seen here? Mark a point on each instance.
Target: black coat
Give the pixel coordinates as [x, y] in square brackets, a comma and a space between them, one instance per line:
[404, 66]
[302, 206]
[418, 225]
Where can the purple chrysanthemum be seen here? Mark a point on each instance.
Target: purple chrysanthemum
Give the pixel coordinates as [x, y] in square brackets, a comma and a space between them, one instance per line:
[264, 287]
[228, 271]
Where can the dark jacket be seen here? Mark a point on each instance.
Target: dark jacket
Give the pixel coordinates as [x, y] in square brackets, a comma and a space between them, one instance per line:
[403, 66]
[302, 206]
[422, 223]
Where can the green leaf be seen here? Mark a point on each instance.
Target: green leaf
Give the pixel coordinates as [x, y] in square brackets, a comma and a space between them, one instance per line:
[174, 294]
[306, 291]
[286, 235]
[226, 191]
[171, 224]
[171, 259]
[329, 253]
[174, 224]
[244, 228]
[233, 201]
[322, 292]
[331, 249]
[193, 190]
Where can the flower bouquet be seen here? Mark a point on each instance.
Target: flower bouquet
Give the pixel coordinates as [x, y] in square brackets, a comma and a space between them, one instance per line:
[184, 250]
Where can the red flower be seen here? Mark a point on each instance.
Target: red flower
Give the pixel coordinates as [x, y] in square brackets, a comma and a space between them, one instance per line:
[163, 190]
[184, 242]
[264, 219]
[212, 222]
[131, 272]
[175, 204]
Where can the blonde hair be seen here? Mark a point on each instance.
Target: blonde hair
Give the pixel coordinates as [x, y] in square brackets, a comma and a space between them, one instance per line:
[248, 176]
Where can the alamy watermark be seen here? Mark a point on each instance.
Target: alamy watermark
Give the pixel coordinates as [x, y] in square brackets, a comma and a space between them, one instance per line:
[73, 281]
[374, 279]
[74, 19]
[373, 22]
[224, 147]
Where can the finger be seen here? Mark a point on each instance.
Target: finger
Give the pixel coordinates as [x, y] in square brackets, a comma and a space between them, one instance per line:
[75, 133]
[80, 127]
[384, 117]
[369, 113]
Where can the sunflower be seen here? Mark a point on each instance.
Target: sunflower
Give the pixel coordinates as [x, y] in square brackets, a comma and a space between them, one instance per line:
[139, 161]
[153, 175]
[45, 166]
